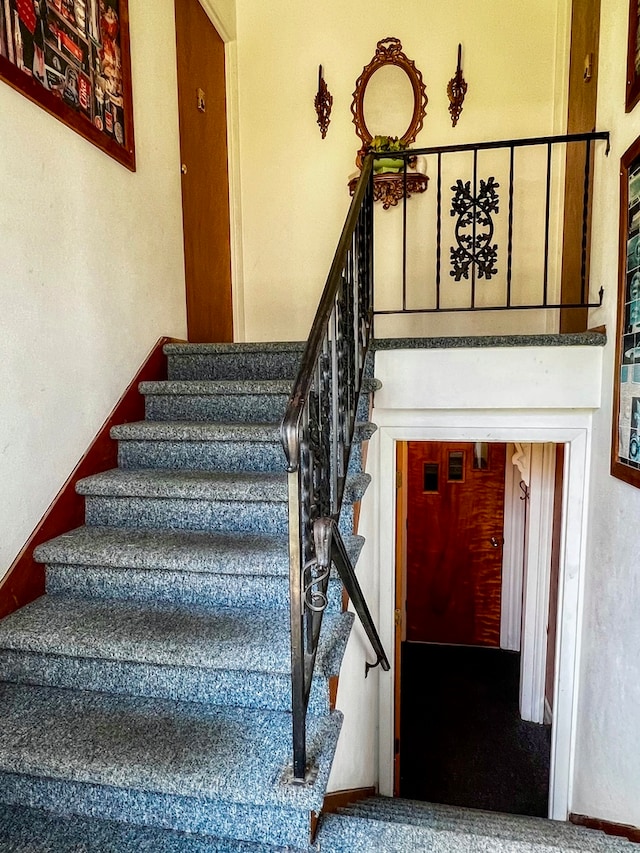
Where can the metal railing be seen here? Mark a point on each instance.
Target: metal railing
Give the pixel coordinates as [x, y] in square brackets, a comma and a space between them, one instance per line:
[318, 426]
[317, 431]
[495, 219]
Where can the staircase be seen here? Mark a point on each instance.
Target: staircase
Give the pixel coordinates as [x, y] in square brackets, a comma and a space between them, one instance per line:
[151, 685]
[145, 700]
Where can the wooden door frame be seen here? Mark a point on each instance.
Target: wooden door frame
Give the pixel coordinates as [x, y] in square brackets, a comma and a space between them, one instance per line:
[233, 153]
[570, 428]
[400, 615]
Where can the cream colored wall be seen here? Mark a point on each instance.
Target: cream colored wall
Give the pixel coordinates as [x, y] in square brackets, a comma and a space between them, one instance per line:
[91, 274]
[607, 782]
[294, 196]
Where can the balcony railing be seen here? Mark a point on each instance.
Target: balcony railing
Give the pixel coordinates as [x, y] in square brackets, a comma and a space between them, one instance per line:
[487, 235]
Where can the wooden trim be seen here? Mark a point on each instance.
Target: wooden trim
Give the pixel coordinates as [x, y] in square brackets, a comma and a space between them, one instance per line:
[333, 691]
[25, 579]
[622, 830]
[339, 799]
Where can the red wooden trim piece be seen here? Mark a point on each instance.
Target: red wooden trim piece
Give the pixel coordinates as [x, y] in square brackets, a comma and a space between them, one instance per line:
[339, 799]
[25, 579]
[622, 830]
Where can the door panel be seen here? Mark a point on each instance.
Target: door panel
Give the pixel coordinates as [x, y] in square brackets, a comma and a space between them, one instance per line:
[455, 520]
[205, 179]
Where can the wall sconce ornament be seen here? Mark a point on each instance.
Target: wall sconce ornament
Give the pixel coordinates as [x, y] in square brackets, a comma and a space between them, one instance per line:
[456, 90]
[323, 103]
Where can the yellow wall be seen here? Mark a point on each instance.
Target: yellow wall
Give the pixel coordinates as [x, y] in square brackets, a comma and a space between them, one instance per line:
[294, 195]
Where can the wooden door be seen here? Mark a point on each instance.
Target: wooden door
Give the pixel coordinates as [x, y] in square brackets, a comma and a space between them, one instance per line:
[205, 178]
[455, 521]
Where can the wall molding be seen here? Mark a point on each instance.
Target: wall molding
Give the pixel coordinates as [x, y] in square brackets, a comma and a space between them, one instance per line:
[25, 580]
[622, 830]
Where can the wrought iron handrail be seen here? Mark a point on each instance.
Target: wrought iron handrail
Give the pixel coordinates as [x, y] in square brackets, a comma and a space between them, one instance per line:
[475, 203]
[317, 431]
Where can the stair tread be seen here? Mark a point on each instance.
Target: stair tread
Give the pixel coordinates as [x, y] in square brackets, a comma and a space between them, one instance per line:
[211, 431]
[164, 634]
[198, 431]
[161, 746]
[188, 484]
[191, 484]
[437, 816]
[248, 387]
[231, 348]
[372, 833]
[170, 550]
[27, 830]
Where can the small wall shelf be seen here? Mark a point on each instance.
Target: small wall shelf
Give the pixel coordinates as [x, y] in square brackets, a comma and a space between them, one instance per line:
[389, 188]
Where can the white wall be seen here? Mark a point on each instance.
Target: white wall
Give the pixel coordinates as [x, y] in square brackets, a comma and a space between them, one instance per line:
[482, 394]
[294, 195]
[607, 779]
[91, 274]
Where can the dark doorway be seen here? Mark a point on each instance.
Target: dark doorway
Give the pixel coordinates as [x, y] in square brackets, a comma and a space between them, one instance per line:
[462, 739]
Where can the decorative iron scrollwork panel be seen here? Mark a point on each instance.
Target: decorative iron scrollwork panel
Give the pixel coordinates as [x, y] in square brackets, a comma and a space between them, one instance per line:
[474, 229]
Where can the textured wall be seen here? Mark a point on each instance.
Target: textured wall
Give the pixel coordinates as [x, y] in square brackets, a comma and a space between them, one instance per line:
[607, 781]
[91, 274]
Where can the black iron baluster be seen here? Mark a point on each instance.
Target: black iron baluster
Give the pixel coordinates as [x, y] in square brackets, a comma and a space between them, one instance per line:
[510, 226]
[547, 207]
[404, 233]
[474, 229]
[438, 230]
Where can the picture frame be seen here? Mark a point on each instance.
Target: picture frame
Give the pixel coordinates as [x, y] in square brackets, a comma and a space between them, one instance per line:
[72, 58]
[633, 56]
[625, 439]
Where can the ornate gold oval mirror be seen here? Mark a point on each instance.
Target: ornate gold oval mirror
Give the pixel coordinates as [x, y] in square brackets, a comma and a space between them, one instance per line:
[390, 97]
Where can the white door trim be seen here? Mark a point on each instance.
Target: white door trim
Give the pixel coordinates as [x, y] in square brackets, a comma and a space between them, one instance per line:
[572, 428]
[512, 557]
[537, 573]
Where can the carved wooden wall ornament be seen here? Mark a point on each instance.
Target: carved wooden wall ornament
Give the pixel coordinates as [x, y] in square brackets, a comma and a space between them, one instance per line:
[323, 103]
[456, 90]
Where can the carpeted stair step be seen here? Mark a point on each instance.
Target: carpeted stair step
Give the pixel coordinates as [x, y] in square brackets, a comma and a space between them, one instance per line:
[228, 401]
[189, 567]
[472, 822]
[182, 766]
[198, 500]
[279, 360]
[346, 834]
[211, 446]
[224, 401]
[25, 830]
[223, 657]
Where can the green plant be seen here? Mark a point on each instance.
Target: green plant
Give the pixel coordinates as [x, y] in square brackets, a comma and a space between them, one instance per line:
[386, 144]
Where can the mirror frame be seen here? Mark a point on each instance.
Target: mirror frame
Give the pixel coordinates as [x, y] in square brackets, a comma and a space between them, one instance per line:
[389, 52]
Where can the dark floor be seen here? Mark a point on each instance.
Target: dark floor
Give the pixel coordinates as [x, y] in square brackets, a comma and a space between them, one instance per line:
[462, 739]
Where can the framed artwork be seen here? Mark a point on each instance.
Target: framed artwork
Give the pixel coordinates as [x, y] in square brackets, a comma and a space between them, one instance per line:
[625, 444]
[72, 58]
[633, 56]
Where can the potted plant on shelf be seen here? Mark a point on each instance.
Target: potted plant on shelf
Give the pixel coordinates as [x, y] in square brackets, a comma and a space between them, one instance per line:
[383, 145]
